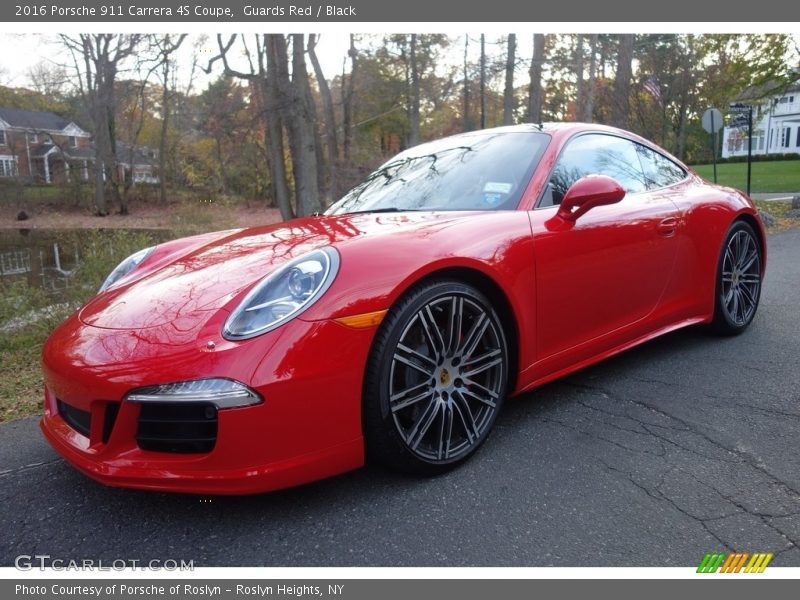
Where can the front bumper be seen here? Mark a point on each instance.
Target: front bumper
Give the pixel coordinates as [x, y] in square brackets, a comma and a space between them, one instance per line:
[309, 373]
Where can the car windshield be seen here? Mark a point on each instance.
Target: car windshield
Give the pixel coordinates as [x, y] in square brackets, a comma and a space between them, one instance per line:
[474, 171]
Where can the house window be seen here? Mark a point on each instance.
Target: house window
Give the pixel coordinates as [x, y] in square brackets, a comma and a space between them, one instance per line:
[8, 167]
[798, 137]
[33, 138]
[73, 141]
[758, 139]
[2, 137]
[786, 134]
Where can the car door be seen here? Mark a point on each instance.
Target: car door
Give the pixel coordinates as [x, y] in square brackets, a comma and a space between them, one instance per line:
[606, 270]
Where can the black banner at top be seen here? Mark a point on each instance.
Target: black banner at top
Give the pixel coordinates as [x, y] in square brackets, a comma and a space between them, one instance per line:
[394, 11]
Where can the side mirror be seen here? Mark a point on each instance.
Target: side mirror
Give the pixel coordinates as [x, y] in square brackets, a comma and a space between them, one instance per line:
[588, 192]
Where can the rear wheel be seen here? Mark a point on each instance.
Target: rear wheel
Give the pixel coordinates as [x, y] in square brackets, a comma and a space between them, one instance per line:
[738, 289]
[436, 379]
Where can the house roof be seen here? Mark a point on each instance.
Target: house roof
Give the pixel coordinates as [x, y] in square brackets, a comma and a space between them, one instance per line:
[142, 155]
[74, 153]
[32, 119]
[84, 153]
[41, 150]
[765, 90]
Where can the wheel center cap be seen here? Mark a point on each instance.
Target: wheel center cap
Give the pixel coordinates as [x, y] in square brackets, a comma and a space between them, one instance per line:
[444, 377]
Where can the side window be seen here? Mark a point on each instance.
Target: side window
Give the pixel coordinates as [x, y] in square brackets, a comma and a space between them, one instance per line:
[658, 169]
[595, 154]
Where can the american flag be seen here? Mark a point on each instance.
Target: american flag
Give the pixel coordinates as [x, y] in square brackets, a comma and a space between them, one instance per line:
[652, 86]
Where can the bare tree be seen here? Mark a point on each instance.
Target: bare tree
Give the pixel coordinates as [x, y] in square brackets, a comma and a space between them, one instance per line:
[267, 76]
[508, 93]
[579, 83]
[588, 108]
[622, 81]
[97, 59]
[166, 46]
[483, 81]
[347, 98]
[47, 78]
[302, 132]
[467, 118]
[331, 138]
[413, 103]
[535, 86]
[274, 109]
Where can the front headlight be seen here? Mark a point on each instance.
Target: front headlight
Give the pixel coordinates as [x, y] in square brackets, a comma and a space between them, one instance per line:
[222, 393]
[125, 267]
[283, 295]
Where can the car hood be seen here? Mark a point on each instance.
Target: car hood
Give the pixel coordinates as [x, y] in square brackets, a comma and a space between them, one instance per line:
[187, 289]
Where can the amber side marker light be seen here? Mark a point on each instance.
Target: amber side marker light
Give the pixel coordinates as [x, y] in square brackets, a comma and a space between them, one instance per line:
[363, 321]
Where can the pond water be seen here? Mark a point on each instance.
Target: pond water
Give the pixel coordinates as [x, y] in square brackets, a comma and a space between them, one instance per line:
[48, 259]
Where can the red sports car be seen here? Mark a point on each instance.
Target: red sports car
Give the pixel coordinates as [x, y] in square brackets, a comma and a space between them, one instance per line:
[393, 327]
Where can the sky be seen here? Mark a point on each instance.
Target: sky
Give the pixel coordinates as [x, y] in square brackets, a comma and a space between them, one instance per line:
[20, 52]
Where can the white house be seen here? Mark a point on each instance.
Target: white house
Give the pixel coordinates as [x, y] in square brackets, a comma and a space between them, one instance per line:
[776, 124]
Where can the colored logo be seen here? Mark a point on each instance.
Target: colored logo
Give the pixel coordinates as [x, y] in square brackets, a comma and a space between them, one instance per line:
[735, 562]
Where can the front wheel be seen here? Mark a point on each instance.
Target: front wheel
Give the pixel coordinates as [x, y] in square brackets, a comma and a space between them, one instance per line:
[738, 288]
[436, 379]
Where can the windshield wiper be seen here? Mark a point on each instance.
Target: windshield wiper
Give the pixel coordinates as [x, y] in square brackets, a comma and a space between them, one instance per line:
[387, 209]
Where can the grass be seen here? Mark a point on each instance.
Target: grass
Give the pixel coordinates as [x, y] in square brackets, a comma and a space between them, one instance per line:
[766, 176]
[21, 389]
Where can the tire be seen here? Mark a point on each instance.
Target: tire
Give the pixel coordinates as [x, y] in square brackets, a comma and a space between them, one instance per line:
[738, 285]
[433, 390]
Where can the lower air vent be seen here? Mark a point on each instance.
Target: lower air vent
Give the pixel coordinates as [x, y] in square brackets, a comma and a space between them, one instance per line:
[79, 420]
[112, 410]
[188, 428]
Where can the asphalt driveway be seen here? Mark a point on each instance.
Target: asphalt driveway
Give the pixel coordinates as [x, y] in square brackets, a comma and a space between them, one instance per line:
[686, 445]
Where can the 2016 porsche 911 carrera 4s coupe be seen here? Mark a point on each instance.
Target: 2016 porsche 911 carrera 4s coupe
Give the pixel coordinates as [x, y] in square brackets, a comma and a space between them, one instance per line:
[393, 326]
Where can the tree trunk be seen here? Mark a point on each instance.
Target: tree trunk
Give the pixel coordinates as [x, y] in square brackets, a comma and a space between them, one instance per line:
[686, 84]
[162, 140]
[277, 153]
[347, 99]
[467, 118]
[413, 112]
[622, 82]
[579, 85]
[331, 139]
[483, 81]
[302, 128]
[508, 94]
[223, 173]
[588, 113]
[535, 87]
[101, 209]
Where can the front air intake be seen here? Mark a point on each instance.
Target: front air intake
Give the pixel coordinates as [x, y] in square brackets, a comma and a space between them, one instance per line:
[177, 427]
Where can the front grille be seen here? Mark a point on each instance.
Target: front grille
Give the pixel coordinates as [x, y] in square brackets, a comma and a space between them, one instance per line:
[79, 420]
[178, 427]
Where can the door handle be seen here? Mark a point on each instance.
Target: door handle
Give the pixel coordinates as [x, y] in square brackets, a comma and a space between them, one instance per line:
[667, 227]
